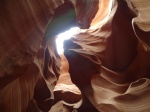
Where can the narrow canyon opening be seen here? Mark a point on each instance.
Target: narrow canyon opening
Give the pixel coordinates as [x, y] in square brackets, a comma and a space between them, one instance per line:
[64, 36]
[65, 90]
[105, 66]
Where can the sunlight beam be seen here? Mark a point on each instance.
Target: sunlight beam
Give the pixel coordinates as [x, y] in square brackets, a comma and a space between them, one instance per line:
[64, 36]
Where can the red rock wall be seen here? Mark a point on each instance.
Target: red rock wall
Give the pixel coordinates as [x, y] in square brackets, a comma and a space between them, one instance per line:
[29, 68]
[22, 28]
[109, 62]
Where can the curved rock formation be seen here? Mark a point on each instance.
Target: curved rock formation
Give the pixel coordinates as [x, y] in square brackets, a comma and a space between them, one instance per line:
[110, 64]
[28, 68]
[108, 61]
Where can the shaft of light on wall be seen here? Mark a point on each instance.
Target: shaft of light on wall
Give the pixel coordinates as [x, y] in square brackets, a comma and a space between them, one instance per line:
[64, 36]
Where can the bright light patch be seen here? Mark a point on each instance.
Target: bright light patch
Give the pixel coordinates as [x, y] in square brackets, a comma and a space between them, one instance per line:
[64, 36]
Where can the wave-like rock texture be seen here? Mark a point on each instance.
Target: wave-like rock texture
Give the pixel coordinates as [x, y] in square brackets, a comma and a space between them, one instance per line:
[28, 68]
[110, 64]
[29, 63]
[22, 77]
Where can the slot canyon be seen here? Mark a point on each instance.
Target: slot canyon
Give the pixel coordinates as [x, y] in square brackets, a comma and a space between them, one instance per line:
[105, 66]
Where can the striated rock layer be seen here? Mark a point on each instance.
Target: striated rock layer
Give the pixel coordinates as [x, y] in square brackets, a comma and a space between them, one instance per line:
[22, 30]
[108, 61]
[110, 64]
[29, 63]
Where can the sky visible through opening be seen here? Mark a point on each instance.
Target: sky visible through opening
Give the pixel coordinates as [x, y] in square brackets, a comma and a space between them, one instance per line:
[64, 36]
